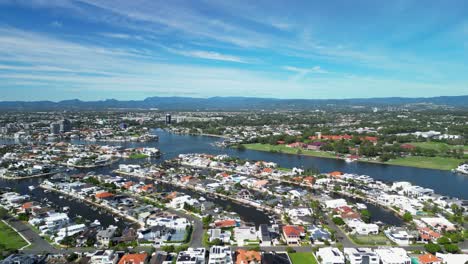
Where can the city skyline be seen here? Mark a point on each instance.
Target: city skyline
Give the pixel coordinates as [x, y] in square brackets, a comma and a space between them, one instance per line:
[94, 50]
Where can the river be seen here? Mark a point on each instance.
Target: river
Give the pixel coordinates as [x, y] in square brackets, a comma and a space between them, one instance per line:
[171, 145]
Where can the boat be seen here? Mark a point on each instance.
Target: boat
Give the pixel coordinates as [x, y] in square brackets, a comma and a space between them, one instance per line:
[348, 160]
[96, 223]
[31, 187]
[60, 197]
[116, 219]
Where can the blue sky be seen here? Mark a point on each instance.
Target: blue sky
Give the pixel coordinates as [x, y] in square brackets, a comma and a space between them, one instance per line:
[96, 49]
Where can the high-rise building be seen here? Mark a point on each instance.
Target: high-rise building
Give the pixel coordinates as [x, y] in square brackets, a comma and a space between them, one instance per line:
[65, 126]
[168, 119]
[55, 128]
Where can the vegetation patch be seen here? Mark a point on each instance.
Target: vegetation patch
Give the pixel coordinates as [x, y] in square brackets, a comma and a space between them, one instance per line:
[438, 163]
[9, 239]
[138, 156]
[302, 258]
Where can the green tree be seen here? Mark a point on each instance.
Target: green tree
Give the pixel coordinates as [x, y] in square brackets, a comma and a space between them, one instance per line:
[338, 221]
[443, 240]
[366, 216]
[407, 217]
[432, 248]
[452, 248]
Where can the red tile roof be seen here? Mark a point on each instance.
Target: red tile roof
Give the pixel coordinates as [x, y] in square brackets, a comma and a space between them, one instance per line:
[133, 259]
[291, 230]
[102, 195]
[428, 259]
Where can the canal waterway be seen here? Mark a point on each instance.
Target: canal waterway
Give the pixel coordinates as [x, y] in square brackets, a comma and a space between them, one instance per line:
[171, 145]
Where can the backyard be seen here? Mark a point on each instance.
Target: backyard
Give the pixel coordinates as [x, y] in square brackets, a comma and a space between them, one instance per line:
[302, 258]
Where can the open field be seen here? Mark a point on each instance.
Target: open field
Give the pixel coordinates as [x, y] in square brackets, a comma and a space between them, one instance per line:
[438, 163]
[287, 150]
[302, 258]
[9, 239]
[380, 239]
[439, 146]
[138, 156]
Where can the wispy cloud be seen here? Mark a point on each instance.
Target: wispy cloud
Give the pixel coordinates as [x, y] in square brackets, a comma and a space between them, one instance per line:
[56, 24]
[209, 55]
[302, 72]
[120, 36]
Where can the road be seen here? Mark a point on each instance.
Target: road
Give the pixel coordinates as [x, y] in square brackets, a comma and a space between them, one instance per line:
[38, 244]
[197, 232]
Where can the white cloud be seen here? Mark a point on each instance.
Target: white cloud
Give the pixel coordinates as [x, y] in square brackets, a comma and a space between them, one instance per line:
[209, 55]
[56, 24]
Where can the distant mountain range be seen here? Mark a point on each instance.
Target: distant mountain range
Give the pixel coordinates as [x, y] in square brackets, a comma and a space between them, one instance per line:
[229, 103]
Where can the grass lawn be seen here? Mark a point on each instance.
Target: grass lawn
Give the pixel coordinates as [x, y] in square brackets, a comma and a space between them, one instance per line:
[438, 163]
[9, 239]
[137, 156]
[284, 149]
[302, 258]
[439, 146]
[380, 239]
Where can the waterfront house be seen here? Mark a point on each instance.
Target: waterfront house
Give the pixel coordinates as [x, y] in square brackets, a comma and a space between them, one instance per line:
[332, 204]
[440, 223]
[103, 237]
[330, 255]
[54, 222]
[347, 212]
[103, 195]
[179, 201]
[244, 235]
[399, 236]
[225, 223]
[300, 215]
[156, 234]
[264, 235]
[69, 231]
[293, 234]
[219, 234]
[359, 227]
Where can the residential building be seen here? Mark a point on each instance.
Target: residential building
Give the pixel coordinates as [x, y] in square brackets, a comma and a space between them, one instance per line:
[276, 258]
[453, 258]
[361, 256]
[103, 237]
[399, 236]
[103, 257]
[248, 257]
[192, 256]
[293, 234]
[429, 259]
[330, 255]
[220, 255]
[134, 259]
[393, 256]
